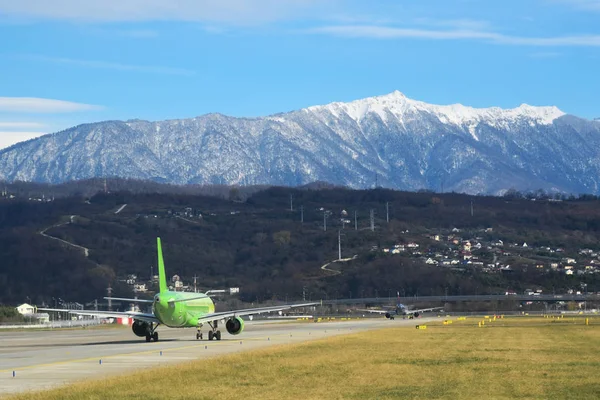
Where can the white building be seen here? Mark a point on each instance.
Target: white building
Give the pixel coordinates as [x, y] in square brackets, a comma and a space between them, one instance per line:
[25, 309]
[140, 287]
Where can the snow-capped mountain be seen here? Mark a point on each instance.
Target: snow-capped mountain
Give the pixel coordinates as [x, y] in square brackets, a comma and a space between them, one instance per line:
[406, 144]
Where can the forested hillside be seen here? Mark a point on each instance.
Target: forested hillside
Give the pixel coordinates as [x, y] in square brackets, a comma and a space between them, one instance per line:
[259, 243]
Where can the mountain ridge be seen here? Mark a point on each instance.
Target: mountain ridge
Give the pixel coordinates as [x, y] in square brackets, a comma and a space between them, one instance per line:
[407, 143]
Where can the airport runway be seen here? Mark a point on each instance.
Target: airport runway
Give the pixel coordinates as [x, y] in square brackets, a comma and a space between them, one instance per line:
[44, 359]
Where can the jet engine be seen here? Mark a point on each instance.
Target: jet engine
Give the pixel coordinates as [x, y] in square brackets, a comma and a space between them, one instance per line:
[140, 328]
[388, 315]
[234, 325]
[416, 315]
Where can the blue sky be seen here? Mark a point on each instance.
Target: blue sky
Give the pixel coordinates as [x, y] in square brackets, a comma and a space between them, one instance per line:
[65, 62]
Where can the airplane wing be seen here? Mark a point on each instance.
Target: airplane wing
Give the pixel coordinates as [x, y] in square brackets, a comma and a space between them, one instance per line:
[422, 310]
[130, 300]
[108, 314]
[378, 311]
[425, 310]
[248, 311]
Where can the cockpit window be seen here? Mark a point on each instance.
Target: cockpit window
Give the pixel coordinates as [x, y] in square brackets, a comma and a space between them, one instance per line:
[157, 299]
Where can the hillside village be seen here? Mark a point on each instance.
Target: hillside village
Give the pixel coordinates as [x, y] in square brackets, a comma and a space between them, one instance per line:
[494, 256]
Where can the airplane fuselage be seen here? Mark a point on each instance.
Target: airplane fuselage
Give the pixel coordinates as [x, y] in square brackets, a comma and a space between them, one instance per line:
[174, 313]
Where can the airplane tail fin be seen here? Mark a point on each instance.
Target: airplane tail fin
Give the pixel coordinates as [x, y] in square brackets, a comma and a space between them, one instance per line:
[162, 278]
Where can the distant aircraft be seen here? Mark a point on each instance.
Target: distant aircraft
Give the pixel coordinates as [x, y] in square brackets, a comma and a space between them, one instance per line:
[402, 310]
[180, 310]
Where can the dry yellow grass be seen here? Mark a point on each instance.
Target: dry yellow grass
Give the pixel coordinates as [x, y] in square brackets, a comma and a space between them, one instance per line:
[509, 358]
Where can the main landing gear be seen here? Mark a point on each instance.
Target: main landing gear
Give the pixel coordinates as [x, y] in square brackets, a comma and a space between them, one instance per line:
[152, 334]
[214, 333]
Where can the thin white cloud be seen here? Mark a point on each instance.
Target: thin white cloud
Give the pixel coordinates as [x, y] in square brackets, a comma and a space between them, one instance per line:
[20, 125]
[38, 105]
[384, 32]
[242, 12]
[154, 69]
[8, 138]
[465, 23]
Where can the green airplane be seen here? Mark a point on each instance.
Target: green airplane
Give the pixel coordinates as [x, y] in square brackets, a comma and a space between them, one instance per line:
[180, 310]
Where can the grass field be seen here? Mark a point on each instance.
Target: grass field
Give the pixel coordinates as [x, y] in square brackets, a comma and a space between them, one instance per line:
[514, 357]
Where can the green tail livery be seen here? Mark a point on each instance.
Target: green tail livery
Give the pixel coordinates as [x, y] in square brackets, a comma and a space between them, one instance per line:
[181, 310]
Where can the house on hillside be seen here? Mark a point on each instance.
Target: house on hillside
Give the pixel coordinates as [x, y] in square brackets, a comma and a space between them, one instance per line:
[140, 288]
[26, 309]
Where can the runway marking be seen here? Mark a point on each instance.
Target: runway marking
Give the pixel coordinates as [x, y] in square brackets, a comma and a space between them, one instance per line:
[136, 353]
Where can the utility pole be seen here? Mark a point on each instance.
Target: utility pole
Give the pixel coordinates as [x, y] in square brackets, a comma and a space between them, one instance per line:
[195, 288]
[109, 292]
[372, 220]
[339, 245]
[355, 221]
[302, 214]
[471, 208]
[387, 211]
[324, 221]
[291, 202]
